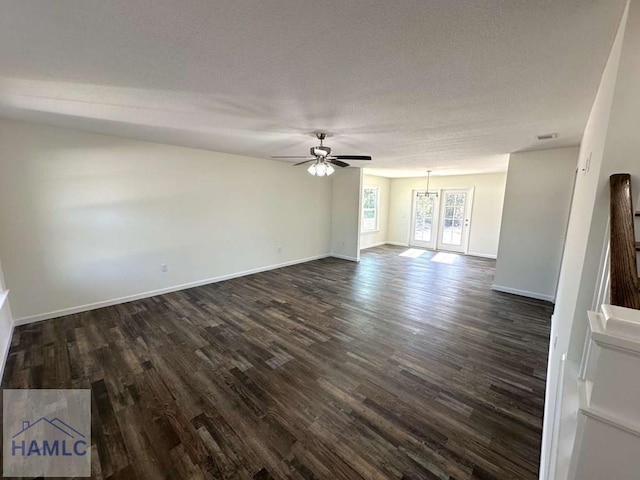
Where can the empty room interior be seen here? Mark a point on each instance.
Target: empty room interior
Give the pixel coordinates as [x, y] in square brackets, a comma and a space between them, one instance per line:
[339, 240]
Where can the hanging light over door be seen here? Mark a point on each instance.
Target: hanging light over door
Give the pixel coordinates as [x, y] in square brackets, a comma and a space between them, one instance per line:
[428, 178]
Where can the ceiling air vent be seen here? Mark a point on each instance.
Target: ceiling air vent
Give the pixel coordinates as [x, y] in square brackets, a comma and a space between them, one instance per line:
[547, 136]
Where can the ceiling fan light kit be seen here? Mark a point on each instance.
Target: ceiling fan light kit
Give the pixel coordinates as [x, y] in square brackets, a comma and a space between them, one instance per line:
[320, 169]
[323, 160]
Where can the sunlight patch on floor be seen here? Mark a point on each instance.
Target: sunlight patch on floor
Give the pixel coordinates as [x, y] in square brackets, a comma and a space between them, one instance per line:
[444, 257]
[413, 253]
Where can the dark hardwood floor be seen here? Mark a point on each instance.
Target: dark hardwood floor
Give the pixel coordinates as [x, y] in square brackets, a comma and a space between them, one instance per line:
[394, 368]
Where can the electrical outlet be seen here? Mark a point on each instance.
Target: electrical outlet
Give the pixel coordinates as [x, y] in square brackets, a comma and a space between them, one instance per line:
[164, 267]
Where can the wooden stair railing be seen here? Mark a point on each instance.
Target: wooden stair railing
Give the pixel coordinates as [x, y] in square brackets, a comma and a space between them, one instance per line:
[624, 269]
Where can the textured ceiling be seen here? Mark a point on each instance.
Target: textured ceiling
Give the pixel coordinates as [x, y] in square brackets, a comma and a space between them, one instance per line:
[449, 85]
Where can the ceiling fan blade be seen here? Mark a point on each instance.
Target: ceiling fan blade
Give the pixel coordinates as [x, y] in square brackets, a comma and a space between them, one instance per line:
[339, 163]
[306, 157]
[352, 157]
[302, 163]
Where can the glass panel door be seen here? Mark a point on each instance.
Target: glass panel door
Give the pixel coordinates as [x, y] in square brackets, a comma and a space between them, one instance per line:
[424, 221]
[455, 220]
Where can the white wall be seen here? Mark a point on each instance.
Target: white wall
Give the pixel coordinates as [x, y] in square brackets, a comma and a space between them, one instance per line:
[619, 155]
[89, 218]
[614, 148]
[534, 221]
[485, 217]
[587, 226]
[346, 202]
[384, 185]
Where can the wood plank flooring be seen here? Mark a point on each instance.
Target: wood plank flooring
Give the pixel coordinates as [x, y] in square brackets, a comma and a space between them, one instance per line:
[394, 368]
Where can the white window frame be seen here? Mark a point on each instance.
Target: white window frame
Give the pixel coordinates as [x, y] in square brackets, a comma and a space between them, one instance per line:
[376, 209]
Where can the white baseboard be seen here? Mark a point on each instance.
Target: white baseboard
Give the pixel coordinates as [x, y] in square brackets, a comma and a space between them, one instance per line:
[379, 244]
[153, 293]
[397, 244]
[482, 255]
[524, 293]
[344, 257]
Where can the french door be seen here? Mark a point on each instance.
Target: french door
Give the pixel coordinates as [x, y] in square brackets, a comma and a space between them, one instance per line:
[424, 229]
[453, 232]
[441, 220]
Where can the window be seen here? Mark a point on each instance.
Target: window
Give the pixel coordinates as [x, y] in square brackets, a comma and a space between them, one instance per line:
[370, 200]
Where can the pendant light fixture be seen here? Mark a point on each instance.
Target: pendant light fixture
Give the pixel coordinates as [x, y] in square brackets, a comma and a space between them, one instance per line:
[428, 178]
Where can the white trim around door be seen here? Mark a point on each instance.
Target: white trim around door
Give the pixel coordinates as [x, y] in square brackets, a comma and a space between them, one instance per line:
[454, 227]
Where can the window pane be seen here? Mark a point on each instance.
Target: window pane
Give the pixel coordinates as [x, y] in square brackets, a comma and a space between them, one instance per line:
[369, 201]
[369, 209]
[451, 200]
[449, 212]
[423, 216]
[370, 198]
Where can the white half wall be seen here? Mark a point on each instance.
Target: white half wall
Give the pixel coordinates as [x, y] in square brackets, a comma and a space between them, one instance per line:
[370, 239]
[87, 219]
[485, 216]
[346, 205]
[534, 221]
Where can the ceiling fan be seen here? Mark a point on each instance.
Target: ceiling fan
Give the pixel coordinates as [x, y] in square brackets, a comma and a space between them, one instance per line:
[323, 160]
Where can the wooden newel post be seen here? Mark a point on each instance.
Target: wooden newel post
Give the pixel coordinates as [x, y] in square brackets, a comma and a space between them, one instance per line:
[624, 270]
